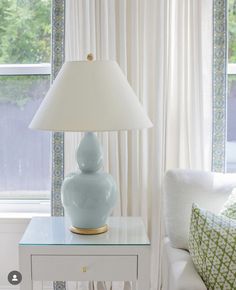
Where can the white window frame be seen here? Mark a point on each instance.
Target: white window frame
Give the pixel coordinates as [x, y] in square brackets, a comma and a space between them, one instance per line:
[25, 69]
[24, 207]
[231, 69]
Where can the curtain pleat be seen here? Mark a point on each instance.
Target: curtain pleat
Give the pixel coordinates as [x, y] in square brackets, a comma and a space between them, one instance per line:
[164, 49]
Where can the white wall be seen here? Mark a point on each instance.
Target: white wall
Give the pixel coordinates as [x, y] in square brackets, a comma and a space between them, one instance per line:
[11, 230]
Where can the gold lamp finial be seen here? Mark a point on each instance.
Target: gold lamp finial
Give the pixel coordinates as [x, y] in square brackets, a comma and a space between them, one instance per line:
[90, 57]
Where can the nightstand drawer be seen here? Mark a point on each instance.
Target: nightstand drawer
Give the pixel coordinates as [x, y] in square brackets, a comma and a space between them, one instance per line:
[84, 268]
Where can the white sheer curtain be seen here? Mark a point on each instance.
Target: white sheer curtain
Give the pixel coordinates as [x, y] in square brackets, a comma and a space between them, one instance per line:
[164, 48]
[187, 82]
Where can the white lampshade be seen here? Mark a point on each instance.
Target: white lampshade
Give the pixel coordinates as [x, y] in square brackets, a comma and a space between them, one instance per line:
[90, 96]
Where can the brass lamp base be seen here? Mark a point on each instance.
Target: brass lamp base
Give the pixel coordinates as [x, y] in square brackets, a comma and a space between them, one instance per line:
[83, 231]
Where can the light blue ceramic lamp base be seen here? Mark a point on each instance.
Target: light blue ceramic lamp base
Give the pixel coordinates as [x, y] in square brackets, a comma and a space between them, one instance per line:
[89, 196]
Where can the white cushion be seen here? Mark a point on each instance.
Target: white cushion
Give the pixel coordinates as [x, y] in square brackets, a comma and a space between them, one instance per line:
[182, 188]
[178, 270]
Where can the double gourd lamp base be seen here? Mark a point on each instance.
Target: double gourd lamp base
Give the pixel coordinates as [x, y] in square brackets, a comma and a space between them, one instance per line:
[93, 191]
[90, 96]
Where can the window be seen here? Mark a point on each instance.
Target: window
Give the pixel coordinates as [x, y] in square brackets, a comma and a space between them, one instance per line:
[25, 37]
[231, 100]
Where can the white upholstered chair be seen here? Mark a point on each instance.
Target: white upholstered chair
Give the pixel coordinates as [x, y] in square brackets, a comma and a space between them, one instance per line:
[182, 188]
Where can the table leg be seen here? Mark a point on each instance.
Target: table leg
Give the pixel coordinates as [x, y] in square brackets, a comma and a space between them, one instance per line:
[25, 269]
[143, 282]
[134, 285]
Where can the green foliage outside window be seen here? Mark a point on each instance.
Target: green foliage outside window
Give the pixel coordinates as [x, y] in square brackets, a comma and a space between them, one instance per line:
[19, 90]
[25, 38]
[232, 31]
[25, 31]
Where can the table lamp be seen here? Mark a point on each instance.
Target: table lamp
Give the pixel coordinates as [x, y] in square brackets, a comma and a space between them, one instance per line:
[90, 96]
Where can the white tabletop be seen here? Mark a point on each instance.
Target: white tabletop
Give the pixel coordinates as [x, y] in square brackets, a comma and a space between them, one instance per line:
[55, 231]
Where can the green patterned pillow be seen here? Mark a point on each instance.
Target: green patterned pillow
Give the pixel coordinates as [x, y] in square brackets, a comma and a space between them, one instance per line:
[229, 208]
[212, 245]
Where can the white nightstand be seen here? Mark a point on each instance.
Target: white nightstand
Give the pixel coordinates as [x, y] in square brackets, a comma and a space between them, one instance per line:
[49, 251]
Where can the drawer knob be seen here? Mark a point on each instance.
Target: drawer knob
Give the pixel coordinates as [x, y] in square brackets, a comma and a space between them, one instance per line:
[84, 269]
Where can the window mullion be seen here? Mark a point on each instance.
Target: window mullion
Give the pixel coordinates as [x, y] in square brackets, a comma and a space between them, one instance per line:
[25, 69]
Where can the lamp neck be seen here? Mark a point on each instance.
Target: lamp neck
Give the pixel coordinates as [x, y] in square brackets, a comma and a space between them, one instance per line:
[89, 153]
[89, 133]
